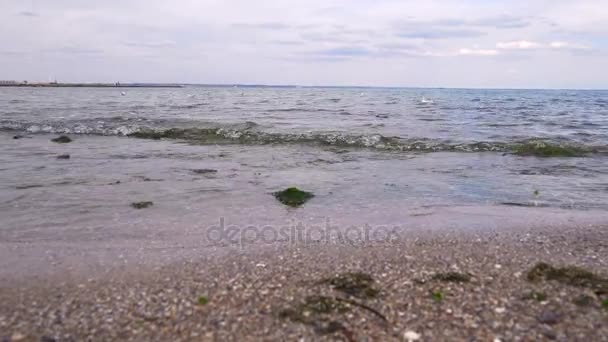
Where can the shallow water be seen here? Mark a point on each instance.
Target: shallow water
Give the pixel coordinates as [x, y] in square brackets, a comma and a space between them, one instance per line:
[396, 157]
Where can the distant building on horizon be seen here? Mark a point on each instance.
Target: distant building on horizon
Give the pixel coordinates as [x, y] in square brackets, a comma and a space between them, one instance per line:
[5, 82]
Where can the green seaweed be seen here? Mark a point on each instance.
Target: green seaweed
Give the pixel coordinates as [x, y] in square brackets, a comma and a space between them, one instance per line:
[544, 149]
[452, 277]
[605, 303]
[63, 139]
[142, 205]
[569, 275]
[202, 300]
[293, 197]
[356, 284]
[437, 296]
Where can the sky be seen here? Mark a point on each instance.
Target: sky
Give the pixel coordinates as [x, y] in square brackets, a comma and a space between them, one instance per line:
[421, 43]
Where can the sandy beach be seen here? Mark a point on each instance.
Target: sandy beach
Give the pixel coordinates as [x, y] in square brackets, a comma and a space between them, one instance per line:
[430, 286]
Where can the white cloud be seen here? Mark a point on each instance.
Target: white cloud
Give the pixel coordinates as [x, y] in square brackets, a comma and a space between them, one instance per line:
[518, 45]
[477, 52]
[528, 45]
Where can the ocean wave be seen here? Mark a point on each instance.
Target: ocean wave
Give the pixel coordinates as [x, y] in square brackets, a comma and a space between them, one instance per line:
[251, 133]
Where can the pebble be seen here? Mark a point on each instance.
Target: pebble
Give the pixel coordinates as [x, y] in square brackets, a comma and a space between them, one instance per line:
[411, 335]
[548, 317]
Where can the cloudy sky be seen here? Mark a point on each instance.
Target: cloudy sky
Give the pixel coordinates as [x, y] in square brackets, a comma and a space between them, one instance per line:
[427, 43]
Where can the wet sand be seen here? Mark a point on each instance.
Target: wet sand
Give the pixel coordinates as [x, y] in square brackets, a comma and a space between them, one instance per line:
[430, 285]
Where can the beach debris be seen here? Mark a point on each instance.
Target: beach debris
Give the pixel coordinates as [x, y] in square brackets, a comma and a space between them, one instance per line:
[313, 310]
[63, 156]
[500, 310]
[534, 295]
[204, 171]
[142, 205]
[17, 137]
[202, 300]
[63, 139]
[317, 311]
[549, 317]
[452, 277]
[293, 197]
[569, 275]
[583, 300]
[356, 284]
[411, 336]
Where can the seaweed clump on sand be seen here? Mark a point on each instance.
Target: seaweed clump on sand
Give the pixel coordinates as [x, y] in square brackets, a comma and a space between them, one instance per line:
[569, 275]
[293, 197]
[142, 205]
[356, 284]
[544, 149]
[316, 311]
[64, 139]
[452, 277]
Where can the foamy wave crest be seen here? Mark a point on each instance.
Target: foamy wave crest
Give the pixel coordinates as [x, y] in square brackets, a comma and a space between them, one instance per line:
[250, 133]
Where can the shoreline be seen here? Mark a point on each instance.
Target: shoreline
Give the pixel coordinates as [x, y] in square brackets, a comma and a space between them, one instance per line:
[258, 294]
[90, 85]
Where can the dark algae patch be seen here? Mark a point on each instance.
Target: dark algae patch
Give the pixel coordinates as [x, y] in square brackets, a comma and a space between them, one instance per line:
[293, 197]
[355, 284]
[204, 171]
[545, 149]
[317, 311]
[142, 205]
[64, 139]
[324, 313]
[569, 275]
[452, 277]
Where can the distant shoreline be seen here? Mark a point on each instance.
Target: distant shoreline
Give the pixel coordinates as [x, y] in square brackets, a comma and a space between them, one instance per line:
[91, 85]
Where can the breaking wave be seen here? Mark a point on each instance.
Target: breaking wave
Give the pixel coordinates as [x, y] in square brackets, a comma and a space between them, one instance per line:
[249, 133]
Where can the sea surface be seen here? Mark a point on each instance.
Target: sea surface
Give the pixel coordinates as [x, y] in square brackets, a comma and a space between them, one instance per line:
[207, 154]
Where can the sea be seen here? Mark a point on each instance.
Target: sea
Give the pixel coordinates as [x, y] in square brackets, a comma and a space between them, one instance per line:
[209, 158]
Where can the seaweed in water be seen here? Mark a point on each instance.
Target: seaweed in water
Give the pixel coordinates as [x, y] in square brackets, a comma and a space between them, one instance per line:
[142, 205]
[64, 139]
[569, 275]
[293, 197]
[545, 149]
